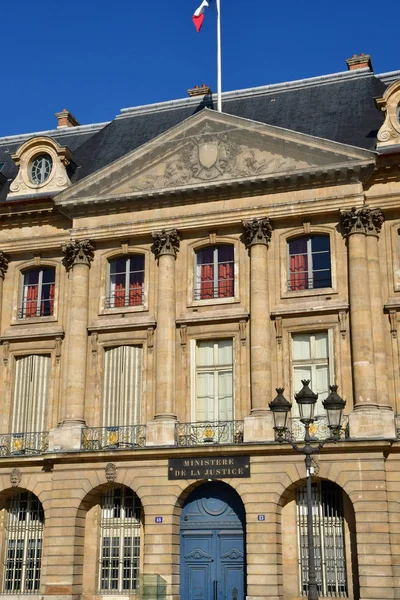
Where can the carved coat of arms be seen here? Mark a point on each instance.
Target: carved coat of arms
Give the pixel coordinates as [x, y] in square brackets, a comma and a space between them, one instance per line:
[211, 155]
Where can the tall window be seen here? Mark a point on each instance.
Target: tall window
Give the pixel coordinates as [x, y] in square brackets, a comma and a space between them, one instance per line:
[126, 285]
[309, 263]
[23, 552]
[31, 390]
[38, 293]
[214, 273]
[119, 558]
[329, 545]
[311, 358]
[214, 381]
[122, 386]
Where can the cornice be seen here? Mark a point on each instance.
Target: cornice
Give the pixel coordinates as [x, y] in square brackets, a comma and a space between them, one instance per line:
[307, 308]
[342, 173]
[123, 324]
[213, 317]
[33, 334]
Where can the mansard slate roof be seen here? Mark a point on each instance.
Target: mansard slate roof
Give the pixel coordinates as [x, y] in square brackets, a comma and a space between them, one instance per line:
[338, 107]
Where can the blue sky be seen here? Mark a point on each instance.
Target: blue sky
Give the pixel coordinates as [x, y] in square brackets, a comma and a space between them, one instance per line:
[95, 57]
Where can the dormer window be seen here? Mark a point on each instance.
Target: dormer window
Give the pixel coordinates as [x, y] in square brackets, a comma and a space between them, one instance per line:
[41, 168]
[38, 289]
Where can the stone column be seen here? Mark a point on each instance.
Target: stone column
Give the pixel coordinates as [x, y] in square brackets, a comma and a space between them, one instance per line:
[165, 248]
[4, 419]
[257, 235]
[365, 318]
[78, 256]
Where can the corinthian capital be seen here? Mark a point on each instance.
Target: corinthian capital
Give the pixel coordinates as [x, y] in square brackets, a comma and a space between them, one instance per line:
[165, 242]
[77, 252]
[3, 265]
[257, 231]
[362, 220]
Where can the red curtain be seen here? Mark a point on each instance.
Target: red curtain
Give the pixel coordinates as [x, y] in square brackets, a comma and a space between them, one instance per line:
[225, 280]
[206, 282]
[31, 301]
[119, 295]
[298, 267]
[50, 302]
[136, 294]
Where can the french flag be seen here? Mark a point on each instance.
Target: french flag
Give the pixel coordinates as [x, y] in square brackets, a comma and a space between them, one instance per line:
[198, 16]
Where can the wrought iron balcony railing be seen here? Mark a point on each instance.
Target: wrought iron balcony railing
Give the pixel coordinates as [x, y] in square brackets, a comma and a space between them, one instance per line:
[36, 308]
[318, 429]
[113, 438]
[16, 444]
[206, 290]
[209, 433]
[119, 299]
[301, 281]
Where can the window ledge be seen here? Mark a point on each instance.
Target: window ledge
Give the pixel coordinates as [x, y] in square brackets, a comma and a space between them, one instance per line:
[295, 294]
[212, 317]
[121, 310]
[49, 332]
[34, 320]
[122, 324]
[213, 302]
[307, 308]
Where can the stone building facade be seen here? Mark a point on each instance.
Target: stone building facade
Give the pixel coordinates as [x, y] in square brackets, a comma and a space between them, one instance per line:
[160, 276]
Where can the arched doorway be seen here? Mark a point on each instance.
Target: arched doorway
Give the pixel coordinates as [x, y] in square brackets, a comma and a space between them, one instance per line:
[213, 556]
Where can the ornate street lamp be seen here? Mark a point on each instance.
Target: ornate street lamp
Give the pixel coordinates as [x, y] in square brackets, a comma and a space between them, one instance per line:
[306, 400]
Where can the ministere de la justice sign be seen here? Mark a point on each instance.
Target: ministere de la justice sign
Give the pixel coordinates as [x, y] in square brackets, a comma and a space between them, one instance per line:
[209, 467]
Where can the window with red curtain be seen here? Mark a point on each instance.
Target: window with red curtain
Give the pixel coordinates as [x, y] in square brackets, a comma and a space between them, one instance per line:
[38, 293]
[309, 263]
[126, 281]
[214, 272]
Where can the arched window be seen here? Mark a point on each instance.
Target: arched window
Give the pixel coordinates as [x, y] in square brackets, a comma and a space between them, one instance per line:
[119, 558]
[214, 272]
[309, 263]
[329, 540]
[38, 289]
[126, 281]
[23, 552]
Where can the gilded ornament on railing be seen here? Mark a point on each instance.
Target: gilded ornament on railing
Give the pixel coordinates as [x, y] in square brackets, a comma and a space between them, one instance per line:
[24, 443]
[217, 432]
[113, 438]
[319, 429]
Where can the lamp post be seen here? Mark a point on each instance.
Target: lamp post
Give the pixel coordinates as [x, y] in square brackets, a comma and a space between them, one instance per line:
[306, 400]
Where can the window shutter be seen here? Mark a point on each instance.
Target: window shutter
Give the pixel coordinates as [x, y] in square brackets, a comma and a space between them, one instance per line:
[32, 374]
[122, 386]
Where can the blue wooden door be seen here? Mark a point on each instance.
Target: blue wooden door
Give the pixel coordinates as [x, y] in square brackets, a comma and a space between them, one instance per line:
[213, 545]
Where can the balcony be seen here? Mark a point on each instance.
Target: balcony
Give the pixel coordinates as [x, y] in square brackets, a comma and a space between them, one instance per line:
[36, 308]
[121, 299]
[209, 433]
[27, 444]
[113, 438]
[318, 429]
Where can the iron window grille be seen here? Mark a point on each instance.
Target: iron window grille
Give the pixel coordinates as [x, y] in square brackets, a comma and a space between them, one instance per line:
[309, 263]
[23, 553]
[329, 544]
[119, 559]
[214, 273]
[38, 290]
[126, 282]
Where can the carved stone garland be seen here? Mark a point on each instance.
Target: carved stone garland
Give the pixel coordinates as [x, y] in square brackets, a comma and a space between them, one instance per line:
[3, 265]
[257, 231]
[165, 242]
[362, 220]
[77, 252]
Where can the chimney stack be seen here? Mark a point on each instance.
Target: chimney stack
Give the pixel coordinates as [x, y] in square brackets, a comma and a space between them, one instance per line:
[66, 119]
[203, 90]
[359, 62]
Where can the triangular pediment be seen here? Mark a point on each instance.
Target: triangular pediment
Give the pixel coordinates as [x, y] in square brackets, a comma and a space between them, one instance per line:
[215, 149]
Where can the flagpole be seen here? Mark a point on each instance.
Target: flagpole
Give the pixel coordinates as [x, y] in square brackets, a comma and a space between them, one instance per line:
[219, 61]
